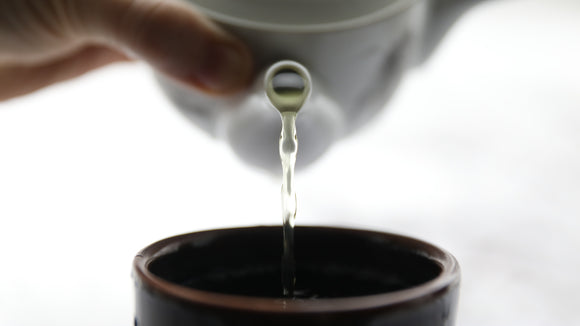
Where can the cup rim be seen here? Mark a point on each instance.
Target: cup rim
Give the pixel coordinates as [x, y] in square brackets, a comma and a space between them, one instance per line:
[449, 276]
[389, 10]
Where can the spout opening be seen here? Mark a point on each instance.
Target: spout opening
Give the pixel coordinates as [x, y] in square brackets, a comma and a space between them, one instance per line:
[288, 86]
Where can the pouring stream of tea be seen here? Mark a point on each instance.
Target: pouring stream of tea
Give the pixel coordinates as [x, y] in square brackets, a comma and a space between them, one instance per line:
[288, 88]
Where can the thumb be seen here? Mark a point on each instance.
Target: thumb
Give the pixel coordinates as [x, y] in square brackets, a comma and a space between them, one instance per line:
[174, 39]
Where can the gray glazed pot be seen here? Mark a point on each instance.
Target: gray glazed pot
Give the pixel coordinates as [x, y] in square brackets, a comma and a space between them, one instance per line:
[356, 52]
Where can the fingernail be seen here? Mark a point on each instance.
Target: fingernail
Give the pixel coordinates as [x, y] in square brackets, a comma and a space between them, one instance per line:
[226, 68]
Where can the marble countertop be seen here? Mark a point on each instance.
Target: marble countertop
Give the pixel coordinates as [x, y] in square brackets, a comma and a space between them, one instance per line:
[478, 152]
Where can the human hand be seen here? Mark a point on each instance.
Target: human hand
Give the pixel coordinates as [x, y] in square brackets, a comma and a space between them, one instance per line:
[46, 41]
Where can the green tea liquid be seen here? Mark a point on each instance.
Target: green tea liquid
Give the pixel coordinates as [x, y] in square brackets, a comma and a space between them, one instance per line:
[288, 150]
[287, 89]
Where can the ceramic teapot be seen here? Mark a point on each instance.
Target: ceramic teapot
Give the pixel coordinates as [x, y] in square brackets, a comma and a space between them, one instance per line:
[355, 51]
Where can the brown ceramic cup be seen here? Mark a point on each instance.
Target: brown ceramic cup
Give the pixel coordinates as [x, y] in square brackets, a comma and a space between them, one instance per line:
[343, 277]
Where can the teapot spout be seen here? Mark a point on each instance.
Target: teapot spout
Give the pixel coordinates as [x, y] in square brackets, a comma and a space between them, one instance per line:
[442, 14]
[253, 128]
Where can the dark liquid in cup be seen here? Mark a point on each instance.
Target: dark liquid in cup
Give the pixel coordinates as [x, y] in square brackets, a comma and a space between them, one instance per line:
[315, 281]
[340, 264]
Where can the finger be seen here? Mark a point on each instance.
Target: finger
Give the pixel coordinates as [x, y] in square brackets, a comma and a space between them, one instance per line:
[173, 38]
[20, 79]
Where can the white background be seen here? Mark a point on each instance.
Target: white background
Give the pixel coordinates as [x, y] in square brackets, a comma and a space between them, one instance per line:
[478, 152]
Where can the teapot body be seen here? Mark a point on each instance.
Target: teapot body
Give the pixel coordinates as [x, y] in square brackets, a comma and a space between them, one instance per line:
[356, 64]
